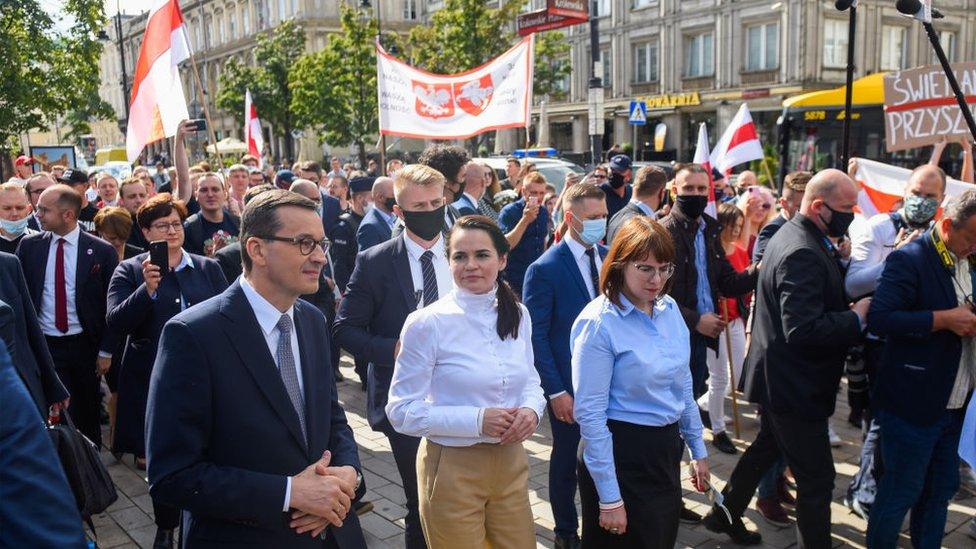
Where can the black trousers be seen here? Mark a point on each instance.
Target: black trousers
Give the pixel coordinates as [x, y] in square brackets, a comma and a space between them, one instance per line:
[167, 516]
[74, 359]
[330, 315]
[648, 466]
[405, 454]
[806, 446]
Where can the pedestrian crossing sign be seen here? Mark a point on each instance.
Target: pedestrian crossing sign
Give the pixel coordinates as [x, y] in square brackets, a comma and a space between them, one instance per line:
[638, 113]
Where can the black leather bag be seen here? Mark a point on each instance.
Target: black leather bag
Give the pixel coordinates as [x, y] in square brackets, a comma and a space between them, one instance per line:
[87, 476]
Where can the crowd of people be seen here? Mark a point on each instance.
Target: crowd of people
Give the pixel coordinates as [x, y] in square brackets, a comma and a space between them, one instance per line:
[626, 305]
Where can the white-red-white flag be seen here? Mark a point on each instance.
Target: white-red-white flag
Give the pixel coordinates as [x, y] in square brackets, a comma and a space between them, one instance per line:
[157, 104]
[739, 144]
[419, 104]
[252, 130]
[701, 157]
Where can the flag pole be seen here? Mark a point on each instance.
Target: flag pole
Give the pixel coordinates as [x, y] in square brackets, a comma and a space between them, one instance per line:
[206, 110]
[733, 385]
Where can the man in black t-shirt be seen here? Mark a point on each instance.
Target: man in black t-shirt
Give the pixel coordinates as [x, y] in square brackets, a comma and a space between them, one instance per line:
[132, 195]
[618, 189]
[213, 227]
[78, 180]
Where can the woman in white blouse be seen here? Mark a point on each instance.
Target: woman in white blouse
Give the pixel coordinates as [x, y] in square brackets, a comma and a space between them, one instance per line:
[465, 382]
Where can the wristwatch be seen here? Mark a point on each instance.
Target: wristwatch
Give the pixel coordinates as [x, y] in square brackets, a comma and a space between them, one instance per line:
[359, 480]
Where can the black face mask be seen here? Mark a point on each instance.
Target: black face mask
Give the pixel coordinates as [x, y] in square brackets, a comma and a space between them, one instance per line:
[617, 180]
[389, 203]
[460, 191]
[426, 225]
[692, 205]
[839, 222]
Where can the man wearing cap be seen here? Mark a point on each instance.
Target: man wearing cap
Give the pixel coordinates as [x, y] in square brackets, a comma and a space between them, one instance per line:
[377, 225]
[649, 189]
[344, 243]
[618, 189]
[23, 168]
[284, 178]
[794, 185]
[78, 180]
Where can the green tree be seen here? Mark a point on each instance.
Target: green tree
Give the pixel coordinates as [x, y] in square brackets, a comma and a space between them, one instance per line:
[334, 90]
[48, 73]
[275, 53]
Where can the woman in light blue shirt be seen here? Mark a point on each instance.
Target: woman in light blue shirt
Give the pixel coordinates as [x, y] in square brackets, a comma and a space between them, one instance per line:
[634, 400]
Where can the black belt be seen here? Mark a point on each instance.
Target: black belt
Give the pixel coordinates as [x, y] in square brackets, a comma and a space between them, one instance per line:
[66, 338]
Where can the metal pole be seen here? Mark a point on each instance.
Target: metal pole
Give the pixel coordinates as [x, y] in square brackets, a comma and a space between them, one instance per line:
[951, 77]
[125, 75]
[206, 110]
[595, 83]
[851, 27]
[379, 37]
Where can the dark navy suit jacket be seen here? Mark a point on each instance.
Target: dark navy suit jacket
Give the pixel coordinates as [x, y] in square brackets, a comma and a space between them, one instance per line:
[373, 230]
[26, 343]
[330, 212]
[96, 262]
[378, 299]
[555, 293]
[222, 434]
[37, 509]
[918, 366]
[529, 248]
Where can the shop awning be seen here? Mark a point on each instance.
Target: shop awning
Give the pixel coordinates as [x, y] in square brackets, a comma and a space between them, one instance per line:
[868, 90]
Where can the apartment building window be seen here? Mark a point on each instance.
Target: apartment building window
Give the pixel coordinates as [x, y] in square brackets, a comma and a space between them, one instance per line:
[261, 14]
[603, 7]
[948, 40]
[835, 43]
[246, 19]
[219, 24]
[645, 62]
[410, 12]
[894, 50]
[232, 23]
[643, 3]
[762, 47]
[607, 68]
[562, 85]
[699, 55]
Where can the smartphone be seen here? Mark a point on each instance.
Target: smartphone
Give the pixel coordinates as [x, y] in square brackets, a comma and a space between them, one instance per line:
[197, 125]
[159, 255]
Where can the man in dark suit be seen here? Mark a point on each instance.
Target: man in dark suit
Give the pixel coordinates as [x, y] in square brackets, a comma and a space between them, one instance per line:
[37, 508]
[244, 428]
[68, 272]
[377, 224]
[389, 282]
[344, 243]
[923, 306]
[330, 206]
[794, 185]
[475, 185]
[25, 340]
[803, 329]
[557, 287]
[649, 188]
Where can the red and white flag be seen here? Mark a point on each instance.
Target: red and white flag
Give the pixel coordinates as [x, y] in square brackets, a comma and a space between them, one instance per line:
[739, 144]
[252, 130]
[701, 157]
[883, 186]
[158, 105]
[419, 104]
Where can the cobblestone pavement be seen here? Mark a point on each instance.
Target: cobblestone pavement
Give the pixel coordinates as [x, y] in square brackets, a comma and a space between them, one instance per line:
[129, 523]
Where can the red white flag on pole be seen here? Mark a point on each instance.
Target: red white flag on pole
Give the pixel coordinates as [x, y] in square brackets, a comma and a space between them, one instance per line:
[701, 157]
[158, 104]
[419, 104]
[252, 130]
[739, 144]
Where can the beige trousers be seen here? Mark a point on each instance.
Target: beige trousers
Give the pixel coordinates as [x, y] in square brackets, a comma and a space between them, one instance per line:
[475, 496]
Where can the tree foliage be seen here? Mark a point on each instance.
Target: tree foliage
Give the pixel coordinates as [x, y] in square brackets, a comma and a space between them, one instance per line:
[275, 53]
[463, 34]
[47, 73]
[551, 64]
[334, 90]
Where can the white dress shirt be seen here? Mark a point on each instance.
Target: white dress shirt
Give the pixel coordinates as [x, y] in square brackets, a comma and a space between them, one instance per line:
[967, 360]
[452, 366]
[869, 249]
[445, 282]
[583, 262]
[268, 316]
[47, 313]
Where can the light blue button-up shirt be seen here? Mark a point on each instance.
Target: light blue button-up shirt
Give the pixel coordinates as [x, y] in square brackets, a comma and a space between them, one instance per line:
[631, 367]
[702, 289]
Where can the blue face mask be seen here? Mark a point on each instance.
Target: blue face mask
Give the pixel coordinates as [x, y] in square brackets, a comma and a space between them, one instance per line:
[15, 228]
[593, 231]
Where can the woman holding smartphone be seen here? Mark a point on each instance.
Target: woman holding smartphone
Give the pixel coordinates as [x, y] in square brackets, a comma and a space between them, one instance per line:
[634, 401]
[466, 382]
[142, 296]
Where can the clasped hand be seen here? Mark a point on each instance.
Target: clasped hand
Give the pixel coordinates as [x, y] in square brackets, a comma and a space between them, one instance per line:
[321, 495]
[509, 425]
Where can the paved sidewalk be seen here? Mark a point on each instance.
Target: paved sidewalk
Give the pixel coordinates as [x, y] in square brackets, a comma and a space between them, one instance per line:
[129, 523]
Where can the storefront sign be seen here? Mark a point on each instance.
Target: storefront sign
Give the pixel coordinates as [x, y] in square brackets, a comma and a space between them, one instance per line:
[558, 14]
[920, 108]
[756, 93]
[672, 100]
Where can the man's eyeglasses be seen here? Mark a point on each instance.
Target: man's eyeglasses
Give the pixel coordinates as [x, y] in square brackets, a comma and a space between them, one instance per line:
[306, 244]
[177, 226]
[664, 272]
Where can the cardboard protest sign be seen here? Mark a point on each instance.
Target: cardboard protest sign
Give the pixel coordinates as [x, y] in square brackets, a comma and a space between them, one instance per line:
[920, 108]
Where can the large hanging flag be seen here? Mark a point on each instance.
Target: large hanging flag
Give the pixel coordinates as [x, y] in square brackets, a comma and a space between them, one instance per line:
[252, 130]
[883, 186]
[419, 104]
[739, 144]
[701, 157]
[157, 105]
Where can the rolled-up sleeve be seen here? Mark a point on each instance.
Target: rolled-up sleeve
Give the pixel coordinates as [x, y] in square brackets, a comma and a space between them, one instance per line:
[408, 407]
[593, 360]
